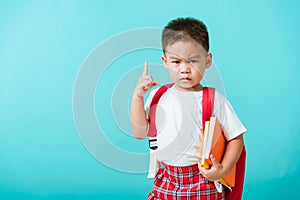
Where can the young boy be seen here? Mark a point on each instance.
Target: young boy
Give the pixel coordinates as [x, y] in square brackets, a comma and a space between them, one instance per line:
[185, 44]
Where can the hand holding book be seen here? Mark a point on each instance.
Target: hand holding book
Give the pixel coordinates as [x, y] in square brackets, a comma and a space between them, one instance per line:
[212, 149]
[213, 172]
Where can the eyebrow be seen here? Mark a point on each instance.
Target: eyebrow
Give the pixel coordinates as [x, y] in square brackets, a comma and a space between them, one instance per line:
[171, 57]
[193, 57]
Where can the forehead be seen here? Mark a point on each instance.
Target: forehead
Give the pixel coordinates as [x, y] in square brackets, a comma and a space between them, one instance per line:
[185, 49]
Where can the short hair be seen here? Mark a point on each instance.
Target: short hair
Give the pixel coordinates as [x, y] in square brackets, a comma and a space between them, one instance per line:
[185, 29]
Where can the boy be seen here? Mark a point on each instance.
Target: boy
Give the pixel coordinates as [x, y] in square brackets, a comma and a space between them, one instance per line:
[185, 44]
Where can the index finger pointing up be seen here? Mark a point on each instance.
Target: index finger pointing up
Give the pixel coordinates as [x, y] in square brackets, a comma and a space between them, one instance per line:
[145, 72]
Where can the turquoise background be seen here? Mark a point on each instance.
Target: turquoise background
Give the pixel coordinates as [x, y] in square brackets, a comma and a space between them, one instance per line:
[43, 44]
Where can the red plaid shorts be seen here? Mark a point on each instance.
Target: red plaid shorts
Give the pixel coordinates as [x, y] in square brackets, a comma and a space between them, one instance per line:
[183, 183]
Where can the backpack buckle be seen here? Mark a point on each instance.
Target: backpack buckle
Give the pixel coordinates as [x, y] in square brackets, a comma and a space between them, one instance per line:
[153, 144]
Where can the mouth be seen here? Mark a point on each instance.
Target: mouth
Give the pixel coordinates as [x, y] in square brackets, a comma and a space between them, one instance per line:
[185, 79]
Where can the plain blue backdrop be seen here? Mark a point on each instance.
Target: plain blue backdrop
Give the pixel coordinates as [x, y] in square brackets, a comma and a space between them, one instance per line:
[44, 43]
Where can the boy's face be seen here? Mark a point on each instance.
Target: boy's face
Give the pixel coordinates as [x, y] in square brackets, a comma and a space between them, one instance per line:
[186, 61]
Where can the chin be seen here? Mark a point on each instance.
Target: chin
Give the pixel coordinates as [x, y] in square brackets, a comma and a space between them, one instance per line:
[188, 86]
[184, 87]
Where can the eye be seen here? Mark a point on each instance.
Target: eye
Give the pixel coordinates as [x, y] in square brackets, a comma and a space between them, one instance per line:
[194, 61]
[175, 62]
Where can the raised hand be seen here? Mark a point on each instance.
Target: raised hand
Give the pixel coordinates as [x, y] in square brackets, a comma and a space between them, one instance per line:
[145, 83]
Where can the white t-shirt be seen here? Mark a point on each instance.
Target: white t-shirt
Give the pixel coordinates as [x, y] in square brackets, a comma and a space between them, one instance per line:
[179, 121]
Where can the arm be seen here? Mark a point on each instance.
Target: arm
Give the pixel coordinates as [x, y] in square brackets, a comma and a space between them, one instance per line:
[138, 118]
[232, 154]
[139, 121]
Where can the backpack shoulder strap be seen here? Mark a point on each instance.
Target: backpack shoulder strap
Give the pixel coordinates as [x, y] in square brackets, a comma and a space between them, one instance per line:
[152, 112]
[207, 104]
[152, 133]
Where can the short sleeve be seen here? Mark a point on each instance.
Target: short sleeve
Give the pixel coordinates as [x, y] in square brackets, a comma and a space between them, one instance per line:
[231, 123]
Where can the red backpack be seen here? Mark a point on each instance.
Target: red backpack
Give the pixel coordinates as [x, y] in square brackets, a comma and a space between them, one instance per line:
[207, 110]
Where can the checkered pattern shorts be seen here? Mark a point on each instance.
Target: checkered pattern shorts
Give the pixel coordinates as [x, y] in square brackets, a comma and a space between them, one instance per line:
[182, 183]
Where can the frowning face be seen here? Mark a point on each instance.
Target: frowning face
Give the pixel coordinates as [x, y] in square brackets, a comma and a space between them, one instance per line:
[186, 62]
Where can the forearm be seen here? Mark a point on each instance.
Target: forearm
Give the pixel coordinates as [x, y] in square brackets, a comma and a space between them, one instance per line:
[232, 154]
[139, 121]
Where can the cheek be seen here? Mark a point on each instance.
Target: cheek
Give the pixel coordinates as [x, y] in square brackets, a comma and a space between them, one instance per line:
[173, 73]
[171, 70]
[198, 71]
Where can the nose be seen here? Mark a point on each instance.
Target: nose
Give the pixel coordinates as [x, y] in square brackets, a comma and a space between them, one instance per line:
[185, 68]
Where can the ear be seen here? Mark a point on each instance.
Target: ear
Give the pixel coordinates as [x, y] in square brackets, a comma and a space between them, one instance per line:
[164, 59]
[208, 60]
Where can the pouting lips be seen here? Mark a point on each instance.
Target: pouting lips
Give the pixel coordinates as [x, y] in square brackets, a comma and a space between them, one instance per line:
[186, 79]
